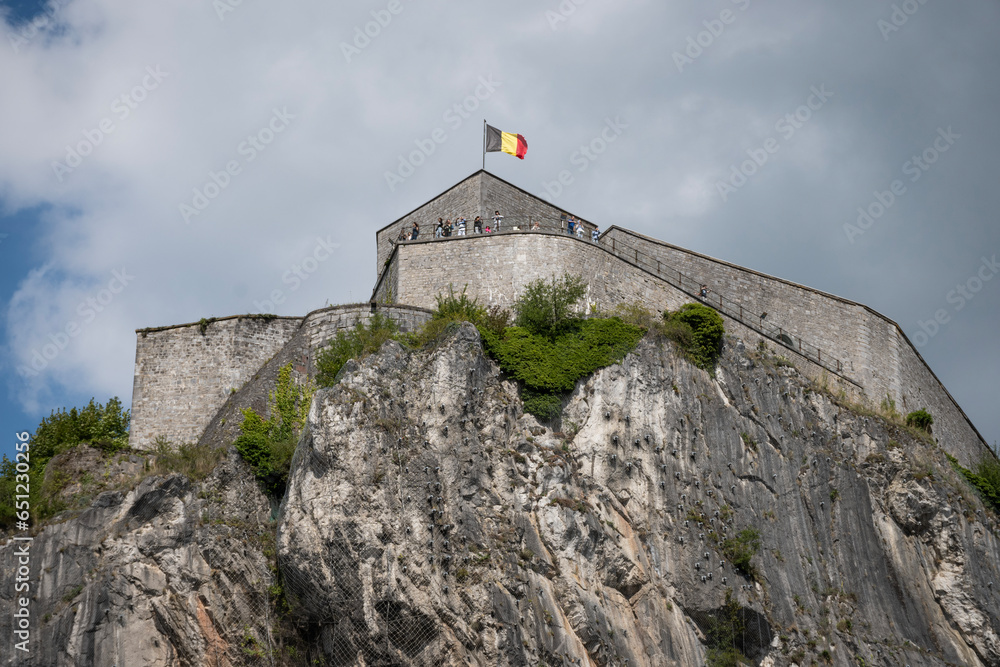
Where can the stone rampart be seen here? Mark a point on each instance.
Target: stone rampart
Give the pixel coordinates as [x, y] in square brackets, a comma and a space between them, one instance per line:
[878, 358]
[322, 325]
[184, 374]
[877, 354]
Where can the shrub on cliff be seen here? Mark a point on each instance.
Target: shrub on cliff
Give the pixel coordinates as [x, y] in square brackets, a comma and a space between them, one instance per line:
[355, 343]
[105, 427]
[920, 419]
[986, 478]
[452, 308]
[552, 347]
[741, 549]
[555, 365]
[102, 426]
[550, 308]
[698, 331]
[267, 445]
[726, 634]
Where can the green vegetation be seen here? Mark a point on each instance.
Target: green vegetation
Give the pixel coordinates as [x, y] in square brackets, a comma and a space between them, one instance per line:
[725, 635]
[551, 348]
[986, 478]
[267, 445]
[741, 549]
[192, 460]
[104, 427]
[920, 419]
[452, 309]
[354, 344]
[698, 330]
[549, 308]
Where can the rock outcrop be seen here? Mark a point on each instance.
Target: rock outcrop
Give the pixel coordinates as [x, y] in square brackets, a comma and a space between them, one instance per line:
[429, 522]
[674, 517]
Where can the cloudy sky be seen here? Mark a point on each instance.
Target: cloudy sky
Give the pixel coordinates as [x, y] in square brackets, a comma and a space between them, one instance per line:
[164, 162]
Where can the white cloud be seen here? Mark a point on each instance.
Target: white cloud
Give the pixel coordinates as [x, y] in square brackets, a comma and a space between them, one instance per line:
[323, 175]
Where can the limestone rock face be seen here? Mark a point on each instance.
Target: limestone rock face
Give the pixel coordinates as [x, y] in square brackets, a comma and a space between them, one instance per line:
[428, 521]
[171, 573]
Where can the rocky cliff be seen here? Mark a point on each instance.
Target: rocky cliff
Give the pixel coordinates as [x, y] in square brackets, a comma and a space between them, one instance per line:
[675, 518]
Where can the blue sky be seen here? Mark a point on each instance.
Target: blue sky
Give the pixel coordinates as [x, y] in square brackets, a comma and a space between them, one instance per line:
[118, 116]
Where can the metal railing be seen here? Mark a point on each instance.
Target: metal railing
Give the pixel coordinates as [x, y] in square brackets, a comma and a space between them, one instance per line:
[733, 309]
[508, 225]
[692, 287]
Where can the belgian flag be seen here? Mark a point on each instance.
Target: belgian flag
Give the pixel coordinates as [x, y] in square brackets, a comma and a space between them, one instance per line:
[513, 144]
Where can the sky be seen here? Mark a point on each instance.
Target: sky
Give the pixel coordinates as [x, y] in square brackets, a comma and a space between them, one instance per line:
[164, 162]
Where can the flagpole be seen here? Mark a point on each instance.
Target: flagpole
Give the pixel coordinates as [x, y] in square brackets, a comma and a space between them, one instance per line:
[484, 144]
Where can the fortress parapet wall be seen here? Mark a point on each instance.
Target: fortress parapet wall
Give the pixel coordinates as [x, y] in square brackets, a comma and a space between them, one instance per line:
[877, 357]
[322, 325]
[184, 374]
[878, 354]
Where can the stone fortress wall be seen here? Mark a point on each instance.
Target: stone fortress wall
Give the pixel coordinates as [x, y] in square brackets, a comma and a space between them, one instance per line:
[479, 194]
[184, 376]
[877, 358]
[185, 373]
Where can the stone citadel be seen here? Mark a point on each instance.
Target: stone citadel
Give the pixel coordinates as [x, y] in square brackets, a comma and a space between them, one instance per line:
[185, 374]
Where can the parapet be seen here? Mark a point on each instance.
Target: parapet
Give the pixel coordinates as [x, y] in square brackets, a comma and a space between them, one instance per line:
[185, 374]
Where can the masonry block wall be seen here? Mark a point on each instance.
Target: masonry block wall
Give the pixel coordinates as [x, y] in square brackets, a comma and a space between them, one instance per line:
[323, 325]
[183, 376]
[479, 194]
[879, 357]
[520, 207]
[497, 268]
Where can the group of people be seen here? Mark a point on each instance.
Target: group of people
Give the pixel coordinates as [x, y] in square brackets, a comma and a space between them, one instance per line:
[446, 228]
[574, 226]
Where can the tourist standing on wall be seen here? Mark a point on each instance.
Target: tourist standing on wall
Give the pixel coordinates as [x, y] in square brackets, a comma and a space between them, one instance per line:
[595, 234]
[579, 231]
[439, 230]
[461, 225]
[477, 225]
[415, 232]
[497, 219]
